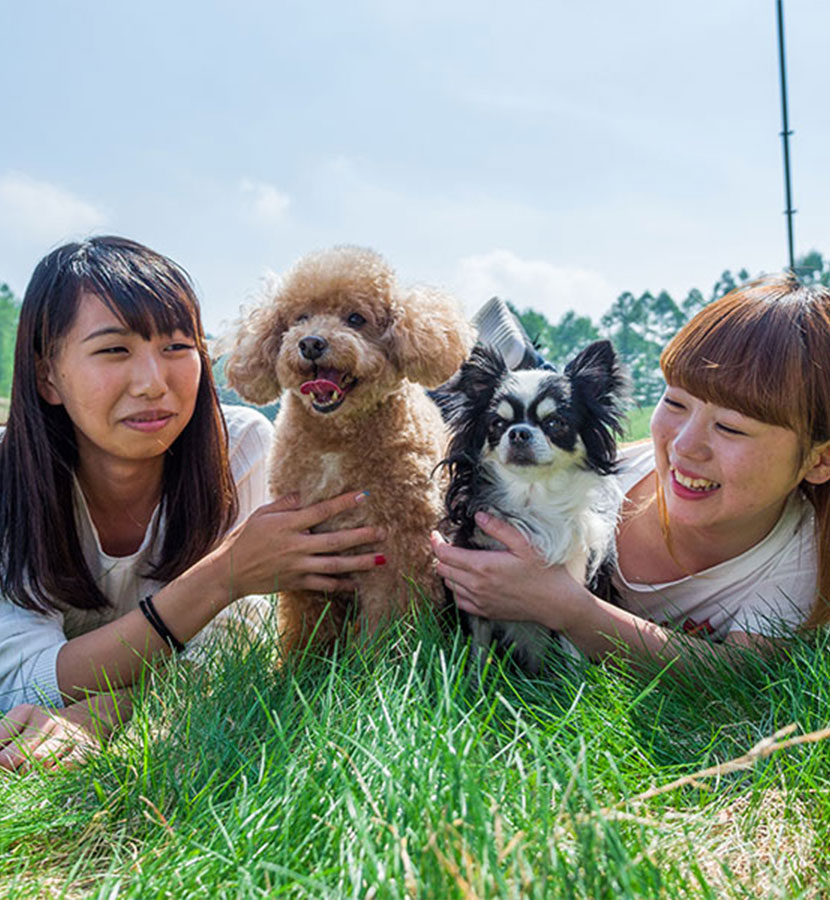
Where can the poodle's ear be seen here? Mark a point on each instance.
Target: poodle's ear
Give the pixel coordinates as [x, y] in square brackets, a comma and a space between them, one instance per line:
[251, 366]
[429, 337]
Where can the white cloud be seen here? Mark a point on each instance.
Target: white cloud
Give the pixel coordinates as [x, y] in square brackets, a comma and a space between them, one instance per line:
[550, 290]
[267, 203]
[44, 212]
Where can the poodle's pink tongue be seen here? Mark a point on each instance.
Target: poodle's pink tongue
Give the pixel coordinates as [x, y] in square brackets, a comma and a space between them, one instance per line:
[323, 389]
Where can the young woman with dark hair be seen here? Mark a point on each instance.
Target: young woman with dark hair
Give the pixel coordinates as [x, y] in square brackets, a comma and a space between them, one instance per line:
[132, 511]
[725, 525]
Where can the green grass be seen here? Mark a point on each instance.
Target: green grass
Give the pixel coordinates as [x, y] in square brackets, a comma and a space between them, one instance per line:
[391, 771]
[637, 423]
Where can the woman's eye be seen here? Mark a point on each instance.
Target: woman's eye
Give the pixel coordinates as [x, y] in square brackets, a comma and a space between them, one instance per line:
[674, 404]
[355, 320]
[729, 429]
[110, 351]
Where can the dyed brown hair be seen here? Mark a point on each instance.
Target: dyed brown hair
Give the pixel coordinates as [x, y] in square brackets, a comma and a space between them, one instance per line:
[42, 565]
[764, 350]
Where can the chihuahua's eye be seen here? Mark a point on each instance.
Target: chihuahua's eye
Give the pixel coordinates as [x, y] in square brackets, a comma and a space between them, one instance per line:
[554, 423]
[302, 318]
[356, 320]
[497, 426]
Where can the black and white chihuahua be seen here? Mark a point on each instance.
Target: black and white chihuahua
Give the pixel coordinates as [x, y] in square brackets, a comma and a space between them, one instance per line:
[536, 448]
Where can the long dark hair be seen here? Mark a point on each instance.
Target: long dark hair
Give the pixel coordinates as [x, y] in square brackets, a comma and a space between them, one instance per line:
[42, 565]
[763, 350]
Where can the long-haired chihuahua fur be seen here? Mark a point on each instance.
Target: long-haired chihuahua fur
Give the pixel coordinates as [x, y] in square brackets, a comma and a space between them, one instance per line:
[350, 351]
[537, 449]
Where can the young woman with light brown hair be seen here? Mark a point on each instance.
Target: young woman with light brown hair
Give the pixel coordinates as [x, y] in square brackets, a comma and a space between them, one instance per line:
[725, 526]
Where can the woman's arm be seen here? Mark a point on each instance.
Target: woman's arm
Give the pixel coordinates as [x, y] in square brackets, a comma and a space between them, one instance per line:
[273, 549]
[514, 584]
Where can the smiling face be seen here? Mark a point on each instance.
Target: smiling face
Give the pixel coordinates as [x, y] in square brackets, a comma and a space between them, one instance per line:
[724, 471]
[128, 397]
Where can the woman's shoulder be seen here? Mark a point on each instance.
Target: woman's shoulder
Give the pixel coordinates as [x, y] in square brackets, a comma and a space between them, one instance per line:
[635, 461]
[250, 436]
[246, 426]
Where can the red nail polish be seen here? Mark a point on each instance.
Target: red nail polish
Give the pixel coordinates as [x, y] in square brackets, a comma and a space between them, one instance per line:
[380, 560]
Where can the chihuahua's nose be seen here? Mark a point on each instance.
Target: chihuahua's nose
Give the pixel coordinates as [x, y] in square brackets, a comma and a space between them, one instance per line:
[312, 347]
[519, 434]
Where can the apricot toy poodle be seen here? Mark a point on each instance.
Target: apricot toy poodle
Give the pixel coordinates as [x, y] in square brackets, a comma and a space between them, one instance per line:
[350, 351]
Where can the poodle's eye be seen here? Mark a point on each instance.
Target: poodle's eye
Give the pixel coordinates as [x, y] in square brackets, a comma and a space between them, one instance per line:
[356, 320]
[302, 318]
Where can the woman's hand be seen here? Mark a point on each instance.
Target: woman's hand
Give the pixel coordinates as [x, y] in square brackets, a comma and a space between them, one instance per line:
[274, 549]
[511, 584]
[52, 737]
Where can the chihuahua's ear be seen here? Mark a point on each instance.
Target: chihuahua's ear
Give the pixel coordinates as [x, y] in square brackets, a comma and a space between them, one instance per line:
[428, 336]
[467, 395]
[601, 384]
[251, 366]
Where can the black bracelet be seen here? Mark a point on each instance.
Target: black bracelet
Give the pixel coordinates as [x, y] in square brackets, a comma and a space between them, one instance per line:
[152, 616]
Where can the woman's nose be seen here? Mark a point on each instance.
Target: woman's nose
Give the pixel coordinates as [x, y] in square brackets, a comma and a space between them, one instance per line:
[148, 375]
[692, 440]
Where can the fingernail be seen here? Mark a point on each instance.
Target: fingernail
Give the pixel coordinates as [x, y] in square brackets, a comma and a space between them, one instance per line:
[482, 518]
[361, 497]
[381, 533]
[380, 560]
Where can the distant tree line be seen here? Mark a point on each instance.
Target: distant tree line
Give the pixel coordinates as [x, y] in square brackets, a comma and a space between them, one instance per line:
[638, 326]
[641, 326]
[9, 314]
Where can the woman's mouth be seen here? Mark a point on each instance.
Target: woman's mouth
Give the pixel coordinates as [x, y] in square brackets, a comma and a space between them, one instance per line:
[148, 422]
[698, 487]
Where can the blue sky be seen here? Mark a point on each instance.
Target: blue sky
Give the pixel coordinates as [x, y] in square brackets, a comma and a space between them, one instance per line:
[555, 152]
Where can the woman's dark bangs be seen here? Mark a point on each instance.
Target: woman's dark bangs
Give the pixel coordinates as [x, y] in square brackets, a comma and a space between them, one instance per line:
[160, 309]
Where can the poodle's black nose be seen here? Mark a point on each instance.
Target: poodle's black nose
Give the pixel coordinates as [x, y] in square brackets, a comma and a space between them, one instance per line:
[519, 434]
[312, 347]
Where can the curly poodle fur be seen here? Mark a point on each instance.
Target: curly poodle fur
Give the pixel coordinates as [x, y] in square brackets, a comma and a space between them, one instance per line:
[351, 351]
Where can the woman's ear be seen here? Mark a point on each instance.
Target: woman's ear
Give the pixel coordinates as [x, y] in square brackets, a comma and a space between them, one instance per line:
[818, 465]
[45, 382]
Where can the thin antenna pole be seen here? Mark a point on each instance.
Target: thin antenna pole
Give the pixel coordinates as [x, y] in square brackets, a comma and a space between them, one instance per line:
[785, 134]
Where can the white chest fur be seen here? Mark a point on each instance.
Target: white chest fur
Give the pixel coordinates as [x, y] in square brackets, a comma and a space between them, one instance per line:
[568, 515]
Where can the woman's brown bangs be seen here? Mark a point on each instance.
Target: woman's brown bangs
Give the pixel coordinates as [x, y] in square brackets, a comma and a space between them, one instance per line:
[732, 365]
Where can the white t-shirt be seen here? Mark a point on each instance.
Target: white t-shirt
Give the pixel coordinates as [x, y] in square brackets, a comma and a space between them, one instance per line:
[30, 641]
[769, 586]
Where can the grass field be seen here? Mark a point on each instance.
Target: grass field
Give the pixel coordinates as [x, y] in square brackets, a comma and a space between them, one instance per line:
[390, 772]
[637, 423]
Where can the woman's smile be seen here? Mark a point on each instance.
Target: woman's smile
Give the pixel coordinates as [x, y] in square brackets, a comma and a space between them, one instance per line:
[149, 421]
[691, 487]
